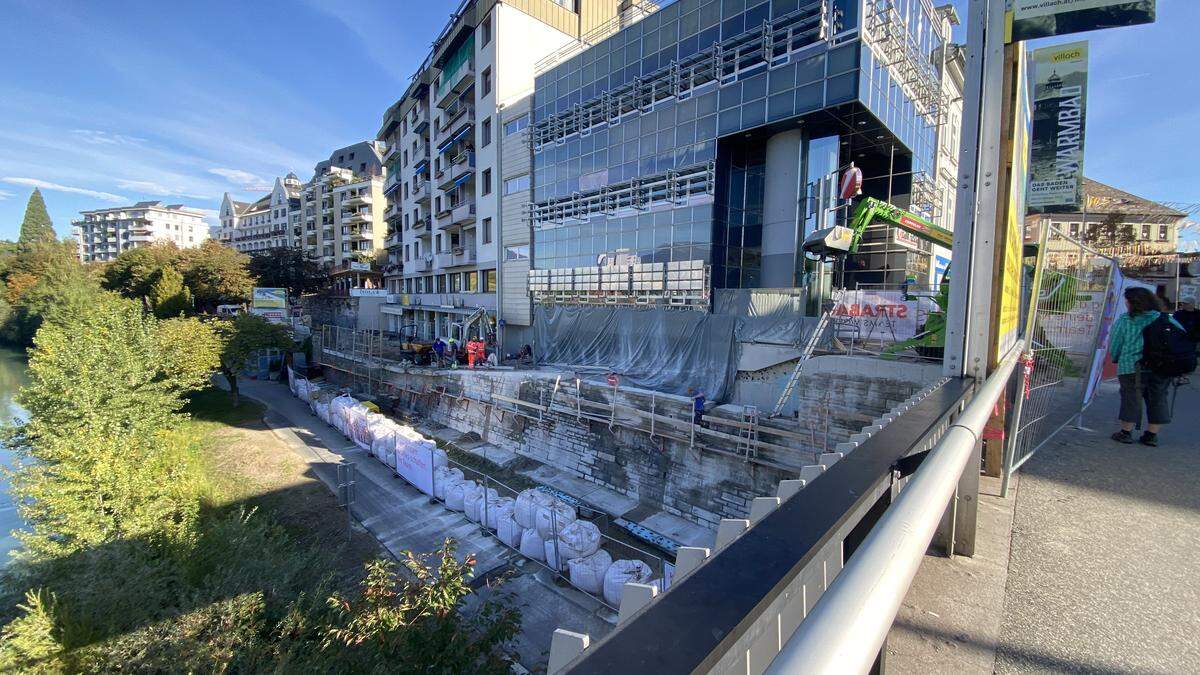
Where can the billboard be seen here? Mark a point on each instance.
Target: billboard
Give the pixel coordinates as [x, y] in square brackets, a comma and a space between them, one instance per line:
[1028, 19]
[1008, 291]
[269, 298]
[271, 314]
[1056, 150]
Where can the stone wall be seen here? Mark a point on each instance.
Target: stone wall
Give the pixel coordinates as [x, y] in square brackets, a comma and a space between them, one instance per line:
[701, 480]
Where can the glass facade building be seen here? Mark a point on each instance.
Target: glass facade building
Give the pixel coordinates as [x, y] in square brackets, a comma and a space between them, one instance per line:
[664, 141]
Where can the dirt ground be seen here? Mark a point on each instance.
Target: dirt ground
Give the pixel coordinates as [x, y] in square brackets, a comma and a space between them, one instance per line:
[249, 465]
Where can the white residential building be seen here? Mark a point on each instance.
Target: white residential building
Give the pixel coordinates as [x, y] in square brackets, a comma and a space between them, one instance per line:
[105, 233]
[341, 208]
[266, 223]
[458, 161]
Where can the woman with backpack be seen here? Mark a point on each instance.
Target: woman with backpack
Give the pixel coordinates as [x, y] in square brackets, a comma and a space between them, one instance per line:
[1141, 347]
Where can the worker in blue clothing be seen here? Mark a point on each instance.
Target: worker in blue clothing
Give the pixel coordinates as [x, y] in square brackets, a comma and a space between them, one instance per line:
[698, 402]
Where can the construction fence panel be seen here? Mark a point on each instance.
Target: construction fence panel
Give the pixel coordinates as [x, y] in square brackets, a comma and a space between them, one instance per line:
[1064, 328]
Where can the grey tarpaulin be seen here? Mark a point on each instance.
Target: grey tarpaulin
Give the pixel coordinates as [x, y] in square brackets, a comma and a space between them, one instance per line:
[770, 316]
[652, 348]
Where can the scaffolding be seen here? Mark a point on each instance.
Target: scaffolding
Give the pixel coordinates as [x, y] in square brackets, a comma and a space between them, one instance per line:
[896, 48]
[682, 283]
[358, 354]
[770, 45]
[636, 195]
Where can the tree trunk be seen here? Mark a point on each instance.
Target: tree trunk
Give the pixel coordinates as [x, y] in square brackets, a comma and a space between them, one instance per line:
[231, 378]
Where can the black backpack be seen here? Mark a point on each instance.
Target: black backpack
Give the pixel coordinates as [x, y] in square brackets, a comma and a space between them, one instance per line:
[1166, 350]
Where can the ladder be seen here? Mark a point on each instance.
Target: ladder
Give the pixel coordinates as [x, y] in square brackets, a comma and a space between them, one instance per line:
[806, 353]
[748, 433]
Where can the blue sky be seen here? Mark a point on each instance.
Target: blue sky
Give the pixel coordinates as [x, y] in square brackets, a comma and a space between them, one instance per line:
[103, 103]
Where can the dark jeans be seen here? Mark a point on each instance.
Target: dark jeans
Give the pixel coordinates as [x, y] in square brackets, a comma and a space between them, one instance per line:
[1145, 388]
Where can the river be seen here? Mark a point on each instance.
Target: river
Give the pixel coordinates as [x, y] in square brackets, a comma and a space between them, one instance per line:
[12, 377]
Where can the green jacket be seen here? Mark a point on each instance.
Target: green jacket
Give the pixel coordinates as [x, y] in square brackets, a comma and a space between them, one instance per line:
[1125, 342]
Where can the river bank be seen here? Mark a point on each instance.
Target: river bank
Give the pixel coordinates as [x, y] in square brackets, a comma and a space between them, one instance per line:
[12, 378]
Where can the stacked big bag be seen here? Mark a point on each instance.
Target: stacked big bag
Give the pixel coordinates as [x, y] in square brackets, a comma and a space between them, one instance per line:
[536, 523]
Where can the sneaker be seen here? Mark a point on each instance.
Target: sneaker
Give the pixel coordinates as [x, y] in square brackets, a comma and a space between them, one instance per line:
[1123, 436]
[1149, 439]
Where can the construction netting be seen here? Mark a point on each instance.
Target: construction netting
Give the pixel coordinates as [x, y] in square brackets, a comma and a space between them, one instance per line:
[767, 316]
[667, 350]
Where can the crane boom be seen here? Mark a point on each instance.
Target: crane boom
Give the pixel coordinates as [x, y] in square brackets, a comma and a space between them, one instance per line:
[844, 240]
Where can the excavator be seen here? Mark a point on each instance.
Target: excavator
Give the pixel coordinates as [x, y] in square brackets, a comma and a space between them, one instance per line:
[843, 240]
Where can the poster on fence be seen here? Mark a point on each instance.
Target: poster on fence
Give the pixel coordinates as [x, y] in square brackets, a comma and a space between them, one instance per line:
[1112, 303]
[414, 463]
[876, 315]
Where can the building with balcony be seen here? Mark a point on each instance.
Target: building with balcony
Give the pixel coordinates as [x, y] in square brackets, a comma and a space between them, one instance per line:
[687, 140]
[341, 212]
[104, 233]
[458, 166]
[269, 222]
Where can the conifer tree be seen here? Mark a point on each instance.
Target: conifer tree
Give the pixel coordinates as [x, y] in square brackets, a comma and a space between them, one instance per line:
[36, 228]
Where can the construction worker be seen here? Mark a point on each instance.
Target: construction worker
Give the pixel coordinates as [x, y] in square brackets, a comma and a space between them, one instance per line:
[472, 352]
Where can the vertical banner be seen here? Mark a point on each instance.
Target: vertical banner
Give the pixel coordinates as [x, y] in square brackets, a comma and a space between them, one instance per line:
[1059, 102]
[1008, 293]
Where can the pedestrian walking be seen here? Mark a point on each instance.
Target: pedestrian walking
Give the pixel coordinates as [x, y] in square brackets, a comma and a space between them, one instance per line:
[1144, 349]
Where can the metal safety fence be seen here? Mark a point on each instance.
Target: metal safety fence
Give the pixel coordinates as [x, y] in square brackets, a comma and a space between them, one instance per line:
[1066, 326]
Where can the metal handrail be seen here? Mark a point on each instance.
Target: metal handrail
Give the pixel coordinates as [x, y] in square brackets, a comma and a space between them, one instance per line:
[847, 627]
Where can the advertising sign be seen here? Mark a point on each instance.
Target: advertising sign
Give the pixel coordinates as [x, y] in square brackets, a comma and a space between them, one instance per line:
[1056, 159]
[876, 315]
[271, 314]
[1112, 302]
[356, 266]
[1028, 19]
[368, 292]
[1008, 295]
[269, 298]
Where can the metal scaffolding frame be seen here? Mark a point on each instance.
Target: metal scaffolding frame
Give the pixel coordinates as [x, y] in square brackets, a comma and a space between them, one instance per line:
[772, 44]
[677, 186]
[896, 48]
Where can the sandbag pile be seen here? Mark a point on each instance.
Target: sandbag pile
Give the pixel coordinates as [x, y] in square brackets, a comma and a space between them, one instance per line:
[536, 523]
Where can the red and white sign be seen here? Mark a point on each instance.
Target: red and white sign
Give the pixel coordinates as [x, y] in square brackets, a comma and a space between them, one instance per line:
[613, 379]
[851, 185]
[879, 315]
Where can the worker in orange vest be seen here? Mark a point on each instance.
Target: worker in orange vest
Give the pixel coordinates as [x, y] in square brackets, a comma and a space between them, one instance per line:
[472, 352]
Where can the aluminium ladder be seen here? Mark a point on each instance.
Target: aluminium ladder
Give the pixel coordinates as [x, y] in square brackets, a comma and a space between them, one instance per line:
[806, 353]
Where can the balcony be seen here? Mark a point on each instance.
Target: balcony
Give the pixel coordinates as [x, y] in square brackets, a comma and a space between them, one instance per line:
[456, 117]
[421, 223]
[461, 168]
[418, 264]
[463, 213]
[357, 217]
[419, 118]
[358, 200]
[420, 192]
[455, 257]
[454, 80]
[392, 183]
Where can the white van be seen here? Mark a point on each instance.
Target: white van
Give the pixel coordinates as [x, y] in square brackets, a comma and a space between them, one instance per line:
[229, 311]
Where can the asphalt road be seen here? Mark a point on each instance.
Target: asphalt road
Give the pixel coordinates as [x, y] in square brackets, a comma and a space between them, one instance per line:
[1104, 574]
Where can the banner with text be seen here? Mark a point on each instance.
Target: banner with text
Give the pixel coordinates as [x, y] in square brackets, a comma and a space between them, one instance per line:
[1060, 76]
[876, 315]
[1028, 19]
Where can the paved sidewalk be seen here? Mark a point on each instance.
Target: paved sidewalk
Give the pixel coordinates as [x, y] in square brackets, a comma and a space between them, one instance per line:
[402, 518]
[1104, 574]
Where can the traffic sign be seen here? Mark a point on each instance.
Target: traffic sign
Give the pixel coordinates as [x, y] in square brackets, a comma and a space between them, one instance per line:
[613, 379]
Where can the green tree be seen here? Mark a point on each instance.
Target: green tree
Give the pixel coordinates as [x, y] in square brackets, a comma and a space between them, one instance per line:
[290, 268]
[45, 278]
[36, 228]
[217, 274]
[168, 296]
[1112, 232]
[244, 337]
[134, 271]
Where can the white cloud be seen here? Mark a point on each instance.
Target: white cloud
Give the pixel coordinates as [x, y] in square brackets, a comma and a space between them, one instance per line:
[5, 194]
[157, 189]
[238, 177]
[97, 137]
[46, 185]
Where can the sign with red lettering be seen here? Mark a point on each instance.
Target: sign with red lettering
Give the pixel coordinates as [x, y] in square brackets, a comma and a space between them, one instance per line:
[877, 315]
[613, 379]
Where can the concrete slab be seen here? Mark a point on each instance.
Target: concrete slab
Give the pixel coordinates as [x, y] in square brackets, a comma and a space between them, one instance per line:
[491, 453]
[683, 531]
[607, 500]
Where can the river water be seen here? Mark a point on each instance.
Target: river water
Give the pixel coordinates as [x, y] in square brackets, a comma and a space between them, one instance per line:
[12, 377]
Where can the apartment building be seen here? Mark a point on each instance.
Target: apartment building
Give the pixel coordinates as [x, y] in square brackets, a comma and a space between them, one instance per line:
[669, 159]
[458, 165]
[104, 233]
[340, 215]
[1113, 222]
[266, 223]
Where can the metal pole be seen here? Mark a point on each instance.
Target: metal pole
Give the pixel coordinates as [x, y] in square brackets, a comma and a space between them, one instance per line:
[845, 630]
[968, 317]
